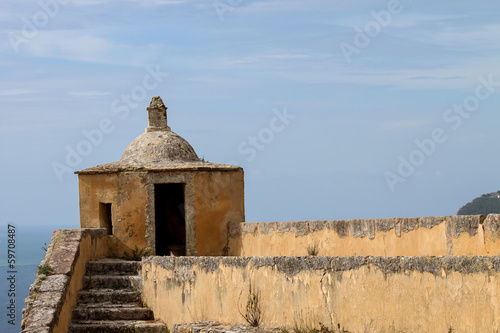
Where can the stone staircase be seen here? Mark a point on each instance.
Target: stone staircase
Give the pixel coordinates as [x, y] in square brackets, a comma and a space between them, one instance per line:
[110, 300]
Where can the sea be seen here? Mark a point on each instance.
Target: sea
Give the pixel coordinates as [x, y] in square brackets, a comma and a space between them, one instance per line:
[27, 245]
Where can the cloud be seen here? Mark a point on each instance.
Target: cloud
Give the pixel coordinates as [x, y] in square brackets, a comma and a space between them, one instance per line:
[269, 57]
[463, 31]
[14, 92]
[160, 2]
[144, 3]
[411, 19]
[86, 46]
[202, 79]
[401, 124]
[89, 93]
[455, 77]
[420, 77]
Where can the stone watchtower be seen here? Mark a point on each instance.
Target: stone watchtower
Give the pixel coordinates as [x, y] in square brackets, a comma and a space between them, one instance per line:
[161, 196]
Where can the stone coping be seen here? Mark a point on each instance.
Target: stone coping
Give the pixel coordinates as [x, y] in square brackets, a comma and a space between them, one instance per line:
[218, 327]
[359, 228]
[47, 294]
[294, 265]
[116, 167]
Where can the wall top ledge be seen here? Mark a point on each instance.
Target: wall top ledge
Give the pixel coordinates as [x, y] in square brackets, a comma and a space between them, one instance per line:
[457, 224]
[294, 265]
[116, 167]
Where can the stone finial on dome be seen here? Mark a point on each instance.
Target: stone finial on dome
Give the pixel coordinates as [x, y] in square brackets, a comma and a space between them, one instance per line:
[157, 115]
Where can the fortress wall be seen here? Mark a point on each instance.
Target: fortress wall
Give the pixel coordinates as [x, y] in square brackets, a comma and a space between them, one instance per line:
[358, 294]
[53, 296]
[128, 208]
[218, 200]
[424, 236]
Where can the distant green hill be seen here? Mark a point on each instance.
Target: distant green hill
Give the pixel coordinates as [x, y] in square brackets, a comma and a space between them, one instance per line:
[485, 204]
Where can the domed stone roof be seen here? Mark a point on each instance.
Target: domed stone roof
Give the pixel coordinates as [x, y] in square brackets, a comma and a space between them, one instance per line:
[158, 144]
[158, 149]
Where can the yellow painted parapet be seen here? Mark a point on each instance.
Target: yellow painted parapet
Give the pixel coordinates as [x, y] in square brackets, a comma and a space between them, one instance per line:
[357, 294]
[424, 236]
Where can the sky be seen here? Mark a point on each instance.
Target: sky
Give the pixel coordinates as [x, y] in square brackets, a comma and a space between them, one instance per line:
[335, 109]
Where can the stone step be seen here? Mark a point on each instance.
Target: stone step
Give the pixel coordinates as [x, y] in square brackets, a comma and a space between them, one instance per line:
[112, 282]
[108, 296]
[112, 313]
[111, 300]
[110, 305]
[118, 326]
[113, 267]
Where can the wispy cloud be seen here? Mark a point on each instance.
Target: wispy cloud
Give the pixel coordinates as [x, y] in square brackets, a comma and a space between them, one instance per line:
[455, 34]
[145, 3]
[202, 79]
[89, 93]
[419, 77]
[160, 2]
[402, 124]
[87, 46]
[14, 92]
[260, 58]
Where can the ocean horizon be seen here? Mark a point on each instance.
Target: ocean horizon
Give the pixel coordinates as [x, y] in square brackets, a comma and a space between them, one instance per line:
[28, 252]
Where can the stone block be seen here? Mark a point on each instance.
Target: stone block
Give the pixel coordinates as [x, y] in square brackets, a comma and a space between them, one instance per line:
[358, 228]
[44, 329]
[249, 228]
[40, 317]
[316, 225]
[384, 224]
[267, 228]
[50, 299]
[409, 224]
[431, 221]
[466, 223]
[72, 235]
[56, 283]
[63, 257]
[341, 228]
[492, 226]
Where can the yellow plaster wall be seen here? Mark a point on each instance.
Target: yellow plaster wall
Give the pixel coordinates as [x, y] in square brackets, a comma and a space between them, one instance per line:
[127, 194]
[219, 199]
[361, 294]
[93, 189]
[327, 242]
[436, 236]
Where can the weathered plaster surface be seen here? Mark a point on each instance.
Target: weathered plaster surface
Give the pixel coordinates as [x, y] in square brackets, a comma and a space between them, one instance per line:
[127, 193]
[361, 294]
[434, 235]
[212, 199]
[219, 200]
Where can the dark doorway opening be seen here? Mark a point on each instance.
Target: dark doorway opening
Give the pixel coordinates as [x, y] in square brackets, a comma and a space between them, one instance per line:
[105, 217]
[170, 220]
